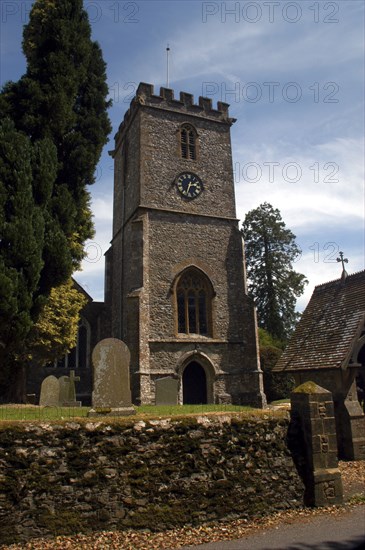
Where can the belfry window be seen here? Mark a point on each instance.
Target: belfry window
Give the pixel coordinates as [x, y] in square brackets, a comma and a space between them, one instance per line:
[188, 142]
[193, 299]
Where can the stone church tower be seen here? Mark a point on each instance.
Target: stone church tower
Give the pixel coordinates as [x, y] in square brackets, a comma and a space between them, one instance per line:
[175, 275]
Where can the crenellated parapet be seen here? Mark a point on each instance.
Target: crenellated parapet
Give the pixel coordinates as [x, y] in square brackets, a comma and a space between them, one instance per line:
[166, 100]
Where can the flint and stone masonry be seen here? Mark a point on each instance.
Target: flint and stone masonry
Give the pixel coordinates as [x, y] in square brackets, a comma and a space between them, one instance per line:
[312, 441]
[175, 271]
[77, 477]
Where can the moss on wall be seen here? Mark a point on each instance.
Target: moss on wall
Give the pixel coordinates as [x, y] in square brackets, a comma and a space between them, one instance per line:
[155, 474]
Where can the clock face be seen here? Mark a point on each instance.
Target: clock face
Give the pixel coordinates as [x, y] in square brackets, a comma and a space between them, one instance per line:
[189, 185]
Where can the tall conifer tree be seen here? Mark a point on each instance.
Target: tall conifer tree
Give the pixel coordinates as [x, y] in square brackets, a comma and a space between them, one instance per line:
[27, 172]
[62, 96]
[270, 252]
[59, 112]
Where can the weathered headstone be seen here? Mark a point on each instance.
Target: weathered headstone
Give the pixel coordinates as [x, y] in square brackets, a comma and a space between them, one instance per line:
[313, 444]
[50, 392]
[111, 392]
[68, 391]
[64, 382]
[166, 391]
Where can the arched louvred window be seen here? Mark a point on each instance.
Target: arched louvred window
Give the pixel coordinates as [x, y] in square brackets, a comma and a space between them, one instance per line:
[188, 142]
[194, 295]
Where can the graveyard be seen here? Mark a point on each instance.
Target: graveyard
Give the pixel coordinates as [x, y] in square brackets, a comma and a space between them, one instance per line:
[155, 472]
[67, 469]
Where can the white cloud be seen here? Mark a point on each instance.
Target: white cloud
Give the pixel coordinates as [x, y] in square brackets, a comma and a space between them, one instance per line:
[237, 50]
[329, 190]
[324, 216]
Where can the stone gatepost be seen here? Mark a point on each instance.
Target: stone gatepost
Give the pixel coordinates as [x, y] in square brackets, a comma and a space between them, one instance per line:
[313, 444]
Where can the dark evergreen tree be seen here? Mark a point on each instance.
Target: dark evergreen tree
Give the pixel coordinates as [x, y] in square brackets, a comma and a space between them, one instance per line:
[62, 96]
[270, 252]
[27, 172]
[59, 112]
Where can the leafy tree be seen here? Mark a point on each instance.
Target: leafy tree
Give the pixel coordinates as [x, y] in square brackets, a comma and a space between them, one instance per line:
[270, 252]
[55, 332]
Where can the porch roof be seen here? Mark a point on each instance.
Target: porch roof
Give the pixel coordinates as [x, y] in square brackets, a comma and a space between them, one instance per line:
[329, 327]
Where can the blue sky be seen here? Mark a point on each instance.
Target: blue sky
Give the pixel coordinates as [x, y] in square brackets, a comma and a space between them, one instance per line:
[293, 73]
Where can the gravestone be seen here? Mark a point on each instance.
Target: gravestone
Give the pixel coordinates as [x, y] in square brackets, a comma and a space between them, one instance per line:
[111, 392]
[313, 444]
[64, 382]
[68, 391]
[50, 392]
[166, 391]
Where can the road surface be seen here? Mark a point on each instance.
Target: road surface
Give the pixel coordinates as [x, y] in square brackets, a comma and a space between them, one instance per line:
[344, 532]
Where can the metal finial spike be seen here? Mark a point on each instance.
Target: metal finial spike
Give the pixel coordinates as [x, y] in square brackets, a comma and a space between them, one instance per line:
[167, 65]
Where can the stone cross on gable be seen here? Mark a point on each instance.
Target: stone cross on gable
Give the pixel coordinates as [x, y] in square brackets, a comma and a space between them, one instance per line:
[343, 261]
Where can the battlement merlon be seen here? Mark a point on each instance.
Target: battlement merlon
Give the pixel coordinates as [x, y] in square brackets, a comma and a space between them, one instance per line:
[145, 97]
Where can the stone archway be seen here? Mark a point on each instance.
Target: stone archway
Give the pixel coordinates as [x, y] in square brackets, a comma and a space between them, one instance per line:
[194, 382]
[360, 378]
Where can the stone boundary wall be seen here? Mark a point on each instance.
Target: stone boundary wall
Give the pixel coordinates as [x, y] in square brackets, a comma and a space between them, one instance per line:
[155, 474]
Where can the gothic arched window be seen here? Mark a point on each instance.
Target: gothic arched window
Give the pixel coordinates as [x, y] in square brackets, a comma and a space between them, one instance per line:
[188, 142]
[194, 295]
[77, 357]
[82, 347]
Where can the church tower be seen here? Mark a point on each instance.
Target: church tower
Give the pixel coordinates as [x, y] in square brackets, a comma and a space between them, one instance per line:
[175, 275]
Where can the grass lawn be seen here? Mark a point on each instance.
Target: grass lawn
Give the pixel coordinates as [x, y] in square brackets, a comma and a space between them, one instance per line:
[33, 412]
[169, 410]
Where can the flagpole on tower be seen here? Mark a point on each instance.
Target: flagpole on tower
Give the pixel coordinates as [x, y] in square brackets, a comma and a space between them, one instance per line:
[167, 66]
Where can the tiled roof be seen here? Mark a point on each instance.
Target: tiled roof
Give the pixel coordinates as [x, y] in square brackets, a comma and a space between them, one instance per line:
[81, 289]
[329, 326]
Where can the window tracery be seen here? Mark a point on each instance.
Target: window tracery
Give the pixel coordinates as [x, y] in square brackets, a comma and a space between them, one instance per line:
[194, 296]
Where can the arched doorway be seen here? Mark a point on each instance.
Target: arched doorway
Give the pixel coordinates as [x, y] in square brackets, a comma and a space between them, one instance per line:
[194, 384]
